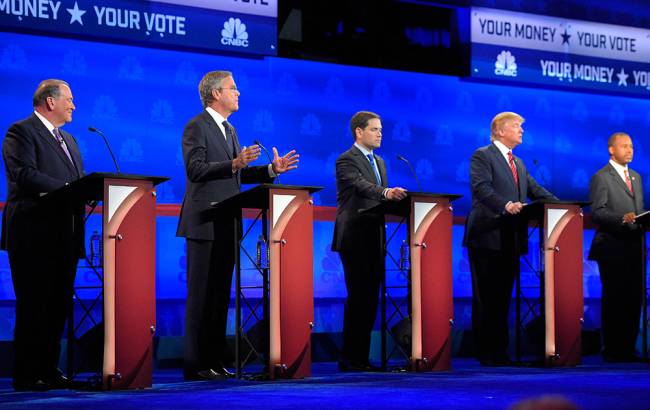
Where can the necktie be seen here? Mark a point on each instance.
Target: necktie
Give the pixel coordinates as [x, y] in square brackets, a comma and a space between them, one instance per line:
[230, 139]
[628, 182]
[513, 167]
[61, 142]
[371, 158]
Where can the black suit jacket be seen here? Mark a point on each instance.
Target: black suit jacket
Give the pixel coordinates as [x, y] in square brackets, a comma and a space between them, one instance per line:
[493, 186]
[209, 176]
[35, 164]
[610, 200]
[357, 189]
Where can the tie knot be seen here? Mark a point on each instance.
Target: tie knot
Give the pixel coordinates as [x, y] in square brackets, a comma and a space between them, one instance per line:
[510, 155]
[371, 158]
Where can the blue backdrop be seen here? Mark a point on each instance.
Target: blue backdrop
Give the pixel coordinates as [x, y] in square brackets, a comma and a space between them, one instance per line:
[141, 98]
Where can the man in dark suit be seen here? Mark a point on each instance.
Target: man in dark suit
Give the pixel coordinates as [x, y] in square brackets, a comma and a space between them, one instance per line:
[494, 236]
[616, 195]
[215, 167]
[44, 241]
[361, 183]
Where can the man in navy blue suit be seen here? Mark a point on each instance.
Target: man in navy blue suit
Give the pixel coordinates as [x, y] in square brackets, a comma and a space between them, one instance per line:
[44, 241]
[215, 166]
[361, 183]
[495, 236]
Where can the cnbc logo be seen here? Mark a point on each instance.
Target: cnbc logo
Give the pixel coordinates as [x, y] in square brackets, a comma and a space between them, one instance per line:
[234, 33]
[505, 64]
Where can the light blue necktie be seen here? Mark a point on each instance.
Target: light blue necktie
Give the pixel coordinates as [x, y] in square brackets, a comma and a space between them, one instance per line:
[371, 158]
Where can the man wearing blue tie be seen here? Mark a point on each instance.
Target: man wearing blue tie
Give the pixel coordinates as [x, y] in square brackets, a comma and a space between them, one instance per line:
[361, 183]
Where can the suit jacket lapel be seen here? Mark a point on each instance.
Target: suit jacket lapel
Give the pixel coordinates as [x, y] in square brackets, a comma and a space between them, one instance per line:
[360, 158]
[502, 163]
[56, 147]
[74, 152]
[381, 165]
[618, 180]
[218, 135]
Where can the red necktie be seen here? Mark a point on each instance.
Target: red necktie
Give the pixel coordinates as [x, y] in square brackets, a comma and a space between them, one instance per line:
[628, 182]
[513, 167]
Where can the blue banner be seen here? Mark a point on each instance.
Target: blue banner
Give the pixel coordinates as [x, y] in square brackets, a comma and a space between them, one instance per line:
[144, 23]
[543, 67]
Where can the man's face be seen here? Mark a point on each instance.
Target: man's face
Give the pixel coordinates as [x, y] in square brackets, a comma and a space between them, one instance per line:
[370, 137]
[226, 98]
[61, 108]
[622, 151]
[511, 133]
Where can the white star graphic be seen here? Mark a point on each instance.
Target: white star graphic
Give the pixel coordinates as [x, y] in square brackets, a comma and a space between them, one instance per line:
[76, 13]
[622, 77]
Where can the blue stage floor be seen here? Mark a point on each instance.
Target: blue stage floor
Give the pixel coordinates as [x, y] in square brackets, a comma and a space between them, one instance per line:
[593, 385]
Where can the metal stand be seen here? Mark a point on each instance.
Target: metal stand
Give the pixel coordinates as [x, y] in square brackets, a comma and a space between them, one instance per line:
[401, 305]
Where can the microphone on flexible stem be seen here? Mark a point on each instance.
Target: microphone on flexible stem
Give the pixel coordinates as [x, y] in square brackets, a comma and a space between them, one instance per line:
[256, 142]
[93, 129]
[541, 174]
[401, 158]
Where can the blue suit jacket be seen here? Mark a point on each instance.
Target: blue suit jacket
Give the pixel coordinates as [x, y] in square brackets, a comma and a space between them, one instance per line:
[35, 163]
[493, 186]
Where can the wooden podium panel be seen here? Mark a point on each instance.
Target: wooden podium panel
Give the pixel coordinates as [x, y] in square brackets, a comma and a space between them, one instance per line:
[291, 283]
[563, 293]
[129, 283]
[431, 283]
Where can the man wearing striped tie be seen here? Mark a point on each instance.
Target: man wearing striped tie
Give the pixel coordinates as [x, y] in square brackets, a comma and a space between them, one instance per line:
[616, 195]
[495, 238]
[361, 183]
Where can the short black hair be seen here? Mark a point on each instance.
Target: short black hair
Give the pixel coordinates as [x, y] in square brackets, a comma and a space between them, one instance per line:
[360, 120]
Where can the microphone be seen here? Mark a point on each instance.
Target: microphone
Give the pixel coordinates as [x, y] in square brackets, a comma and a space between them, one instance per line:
[541, 174]
[401, 158]
[93, 129]
[257, 142]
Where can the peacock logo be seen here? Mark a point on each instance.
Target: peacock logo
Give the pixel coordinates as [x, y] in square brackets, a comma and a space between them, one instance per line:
[234, 33]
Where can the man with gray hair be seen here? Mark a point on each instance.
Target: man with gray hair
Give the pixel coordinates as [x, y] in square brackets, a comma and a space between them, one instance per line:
[216, 166]
[44, 242]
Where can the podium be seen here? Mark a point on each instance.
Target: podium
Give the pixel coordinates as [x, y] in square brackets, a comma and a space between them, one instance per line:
[286, 214]
[560, 226]
[129, 292]
[429, 220]
[643, 219]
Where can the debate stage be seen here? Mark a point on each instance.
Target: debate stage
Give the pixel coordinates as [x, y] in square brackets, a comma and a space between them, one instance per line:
[592, 385]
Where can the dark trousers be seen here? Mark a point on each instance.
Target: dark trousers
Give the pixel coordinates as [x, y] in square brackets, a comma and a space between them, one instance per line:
[493, 277]
[621, 278]
[363, 270]
[43, 284]
[209, 279]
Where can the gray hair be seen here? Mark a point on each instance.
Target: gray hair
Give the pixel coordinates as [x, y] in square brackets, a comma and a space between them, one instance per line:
[209, 82]
[47, 88]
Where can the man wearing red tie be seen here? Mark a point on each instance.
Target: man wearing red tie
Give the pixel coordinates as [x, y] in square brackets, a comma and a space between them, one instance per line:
[616, 195]
[494, 235]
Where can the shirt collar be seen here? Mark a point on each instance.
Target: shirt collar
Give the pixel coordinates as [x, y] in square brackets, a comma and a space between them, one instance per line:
[45, 122]
[502, 148]
[363, 149]
[218, 118]
[618, 167]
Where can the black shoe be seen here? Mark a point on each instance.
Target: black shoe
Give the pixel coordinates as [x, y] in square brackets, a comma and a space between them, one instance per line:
[59, 381]
[32, 385]
[224, 372]
[208, 374]
[346, 366]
